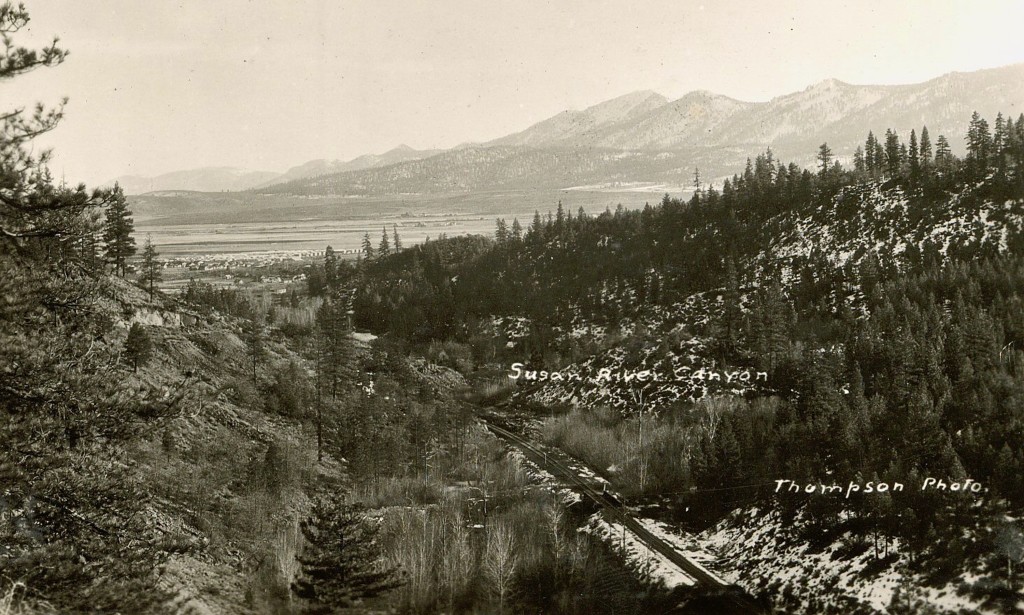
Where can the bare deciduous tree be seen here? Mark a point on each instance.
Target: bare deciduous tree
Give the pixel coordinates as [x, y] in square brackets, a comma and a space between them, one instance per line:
[500, 561]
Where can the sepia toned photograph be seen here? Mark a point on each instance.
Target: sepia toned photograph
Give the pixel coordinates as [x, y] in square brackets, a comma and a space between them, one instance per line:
[470, 307]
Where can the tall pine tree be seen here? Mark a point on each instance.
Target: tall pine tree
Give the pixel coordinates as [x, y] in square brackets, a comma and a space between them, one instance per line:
[150, 273]
[385, 245]
[117, 232]
[341, 564]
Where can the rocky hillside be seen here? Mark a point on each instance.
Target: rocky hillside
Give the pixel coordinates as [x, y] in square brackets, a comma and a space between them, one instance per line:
[839, 572]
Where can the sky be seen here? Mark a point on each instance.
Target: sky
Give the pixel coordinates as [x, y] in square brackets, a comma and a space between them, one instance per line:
[160, 85]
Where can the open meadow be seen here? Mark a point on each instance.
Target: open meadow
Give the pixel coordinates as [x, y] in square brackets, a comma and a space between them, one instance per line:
[186, 224]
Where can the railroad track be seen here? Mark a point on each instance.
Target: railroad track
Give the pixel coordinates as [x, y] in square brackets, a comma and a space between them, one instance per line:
[733, 595]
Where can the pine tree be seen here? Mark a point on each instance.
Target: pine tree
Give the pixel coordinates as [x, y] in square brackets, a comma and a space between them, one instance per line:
[879, 158]
[398, 241]
[943, 154]
[369, 254]
[979, 142]
[926, 147]
[859, 164]
[501, 231]
[336, 357]
[893, 162]
[330, 267]
[517, 230]
[536, 231]
[150, 267]
[137, 347]
[1017, 140]
[869, 153]
[824, 159]
[385, 245]
[913, 158]
[1000, 142]
[255, 348]
[341, 564]
[117, 232]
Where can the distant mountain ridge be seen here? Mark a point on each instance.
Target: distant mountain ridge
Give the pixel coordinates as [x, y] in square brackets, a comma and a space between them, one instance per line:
[231, 179]
[644, 138]
[315, 168]
[571, 124]
[205, 179]
[830, 110]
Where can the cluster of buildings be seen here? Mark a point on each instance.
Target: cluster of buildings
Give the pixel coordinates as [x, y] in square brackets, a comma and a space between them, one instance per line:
[241, 260]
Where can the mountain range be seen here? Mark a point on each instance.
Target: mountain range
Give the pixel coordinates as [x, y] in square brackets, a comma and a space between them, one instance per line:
[793, 124]
[205, 179]
[642, 138]
[231, 179]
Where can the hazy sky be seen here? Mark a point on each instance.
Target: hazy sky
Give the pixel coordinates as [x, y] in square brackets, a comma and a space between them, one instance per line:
[162, 85]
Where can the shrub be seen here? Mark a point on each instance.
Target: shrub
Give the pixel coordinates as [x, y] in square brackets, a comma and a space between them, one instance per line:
[290, 393]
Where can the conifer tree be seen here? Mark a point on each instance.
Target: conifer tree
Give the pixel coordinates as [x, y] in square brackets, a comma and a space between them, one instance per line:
[398, 241]
[869, 153]
[369, 254]
[255, 347]
[824, 159]
[913, 158]
[859, 164]
[879, 158]
[926, 147]
[501, 231]
[137, 347]
[979, 142]
[385, 245]
[330, 267]
[335, 356]
[117, 232]
[1000, 142]
[341, 564]
[893, 160]
[338, 356]
[517, 230]
[150, 267]
[943, 154]
[536, 231]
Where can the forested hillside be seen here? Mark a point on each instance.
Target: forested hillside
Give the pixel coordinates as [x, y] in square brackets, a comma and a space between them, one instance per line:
[883, 304]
